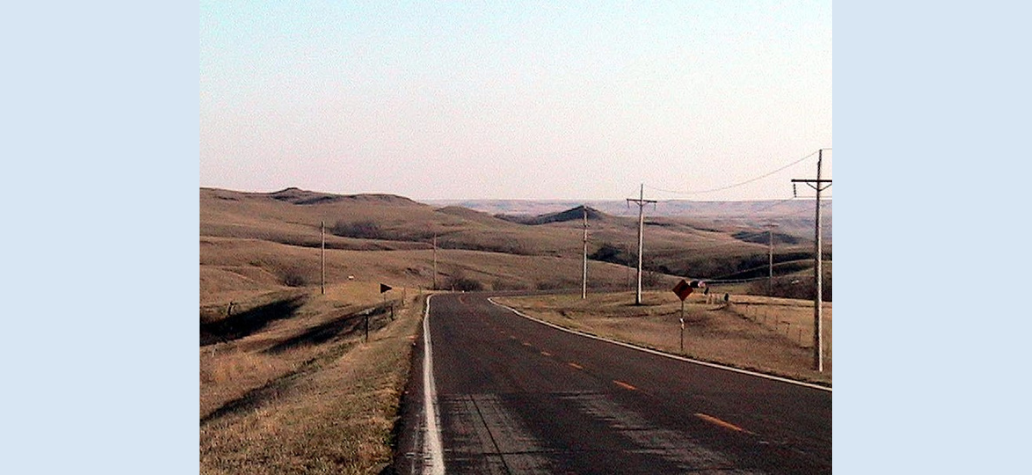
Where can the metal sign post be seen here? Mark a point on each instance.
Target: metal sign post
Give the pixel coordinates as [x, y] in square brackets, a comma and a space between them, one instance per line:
[683, 289]
[682, 327]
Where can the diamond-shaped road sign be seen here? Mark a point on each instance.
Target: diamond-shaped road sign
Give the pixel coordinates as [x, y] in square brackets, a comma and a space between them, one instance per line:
[683, 289]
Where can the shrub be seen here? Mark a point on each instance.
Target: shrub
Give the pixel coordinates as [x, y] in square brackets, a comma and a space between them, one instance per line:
[557, 284]
[357, 229]
[463, 283]
[501, 245]
[508, 284]
[613, 254]
[293, 277]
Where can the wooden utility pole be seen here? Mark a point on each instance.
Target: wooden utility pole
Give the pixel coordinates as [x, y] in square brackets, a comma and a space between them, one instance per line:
[435, 261]
[770, 258]
[322, 258]
[641, 202]
[818, 338]
[584, 274]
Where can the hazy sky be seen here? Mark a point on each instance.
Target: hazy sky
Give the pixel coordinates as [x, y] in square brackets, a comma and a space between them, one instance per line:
[544, 100]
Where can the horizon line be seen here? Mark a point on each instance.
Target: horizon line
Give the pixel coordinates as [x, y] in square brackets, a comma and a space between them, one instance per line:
[565, 200]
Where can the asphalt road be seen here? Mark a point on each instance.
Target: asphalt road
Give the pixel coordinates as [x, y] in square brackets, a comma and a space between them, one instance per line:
[516, 396]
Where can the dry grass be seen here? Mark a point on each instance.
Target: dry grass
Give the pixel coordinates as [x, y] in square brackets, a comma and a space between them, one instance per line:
[759, 333]
[240, 269]
[288, 386]
[250, 241]
[325, 403]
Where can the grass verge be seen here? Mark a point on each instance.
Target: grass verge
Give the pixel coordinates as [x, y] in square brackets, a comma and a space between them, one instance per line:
[307, 394]
[767, 335]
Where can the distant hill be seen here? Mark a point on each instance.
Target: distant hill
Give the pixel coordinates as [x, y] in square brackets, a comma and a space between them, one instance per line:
[301, 197]
[671, 208]
[253, 242]
[794, 217]
[572, 214]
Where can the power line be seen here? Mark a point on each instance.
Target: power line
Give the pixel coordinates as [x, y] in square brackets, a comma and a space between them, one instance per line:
[735, 185]
[754, 214]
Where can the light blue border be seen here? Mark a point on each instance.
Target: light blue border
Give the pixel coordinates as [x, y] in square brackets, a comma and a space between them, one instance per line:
[100, 174]
[931, 118]
[99, 125]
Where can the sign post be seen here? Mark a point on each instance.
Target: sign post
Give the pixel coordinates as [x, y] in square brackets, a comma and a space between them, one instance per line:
[683, 289]
[682, 327]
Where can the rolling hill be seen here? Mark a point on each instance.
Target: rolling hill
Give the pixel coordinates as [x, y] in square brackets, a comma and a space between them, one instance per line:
[260, 242]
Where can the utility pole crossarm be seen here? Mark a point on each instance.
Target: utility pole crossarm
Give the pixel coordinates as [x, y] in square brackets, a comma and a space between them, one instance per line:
[641, 202]
[815, 184]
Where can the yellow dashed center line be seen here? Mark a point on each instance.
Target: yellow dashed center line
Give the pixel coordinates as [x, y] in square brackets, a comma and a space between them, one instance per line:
[545, 353]
[625, 385]
[527, 344]
[715, 421]
[575, 365]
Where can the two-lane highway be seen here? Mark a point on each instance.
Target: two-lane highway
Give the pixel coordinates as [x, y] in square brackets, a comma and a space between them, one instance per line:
[517, 396]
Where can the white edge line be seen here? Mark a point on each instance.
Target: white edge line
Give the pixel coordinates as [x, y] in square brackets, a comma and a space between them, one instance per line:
[660, 353]
[432, 445]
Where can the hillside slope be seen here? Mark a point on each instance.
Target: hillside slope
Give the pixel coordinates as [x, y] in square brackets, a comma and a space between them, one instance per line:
[260, 242]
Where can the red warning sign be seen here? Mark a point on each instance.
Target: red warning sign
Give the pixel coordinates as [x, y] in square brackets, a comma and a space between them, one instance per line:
[683, 289]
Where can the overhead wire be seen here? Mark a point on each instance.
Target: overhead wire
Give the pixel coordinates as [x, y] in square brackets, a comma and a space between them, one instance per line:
[753, 213]
[735, 185]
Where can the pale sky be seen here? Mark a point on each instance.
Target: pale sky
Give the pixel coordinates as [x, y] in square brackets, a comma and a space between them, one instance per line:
[544, 100]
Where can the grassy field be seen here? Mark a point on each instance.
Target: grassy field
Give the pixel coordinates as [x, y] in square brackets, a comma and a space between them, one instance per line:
[304, 393]
[289, 386]
[233, 222]
[769, 335]
[237, 269]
